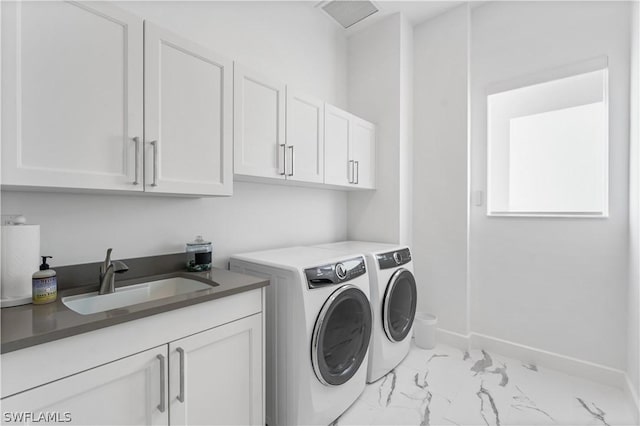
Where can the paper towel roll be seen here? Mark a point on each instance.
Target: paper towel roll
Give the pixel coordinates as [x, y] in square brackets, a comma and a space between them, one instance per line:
[20, 259]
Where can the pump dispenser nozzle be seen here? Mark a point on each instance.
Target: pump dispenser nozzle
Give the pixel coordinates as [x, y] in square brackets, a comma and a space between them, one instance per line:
[44, 266]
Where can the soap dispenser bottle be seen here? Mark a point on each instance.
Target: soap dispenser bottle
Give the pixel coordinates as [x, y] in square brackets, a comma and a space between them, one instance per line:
[45, 284]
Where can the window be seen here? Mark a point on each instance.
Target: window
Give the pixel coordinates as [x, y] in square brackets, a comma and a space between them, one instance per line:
[548, 145]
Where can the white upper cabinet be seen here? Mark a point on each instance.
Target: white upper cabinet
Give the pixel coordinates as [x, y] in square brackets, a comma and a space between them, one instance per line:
[305, 138]
[363, 153]
[72, 103]
[188, 107]
[259, 120]
[350, 150]
[71, 96]
[337, 135]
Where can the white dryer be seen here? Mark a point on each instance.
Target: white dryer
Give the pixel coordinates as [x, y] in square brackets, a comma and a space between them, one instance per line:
[318, 329]
[393, 302]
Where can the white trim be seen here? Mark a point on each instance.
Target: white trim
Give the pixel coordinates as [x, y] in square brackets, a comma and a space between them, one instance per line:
[452, 338]
[589, 370]
[470, 188]
[566, 364]
[547, 75]
[631, 392]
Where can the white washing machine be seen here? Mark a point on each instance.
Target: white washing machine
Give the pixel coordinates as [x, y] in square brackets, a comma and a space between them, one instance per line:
[318, 329]
[393, 302]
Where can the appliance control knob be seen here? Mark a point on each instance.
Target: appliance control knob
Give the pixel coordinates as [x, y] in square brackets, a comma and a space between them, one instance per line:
[341, 271]
[397, 257]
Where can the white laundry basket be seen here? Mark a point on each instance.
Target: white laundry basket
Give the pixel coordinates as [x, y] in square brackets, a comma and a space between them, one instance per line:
[424, 330]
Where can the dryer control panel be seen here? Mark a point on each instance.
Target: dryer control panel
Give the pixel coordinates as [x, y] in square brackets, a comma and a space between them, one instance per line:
[335, 273]
[394, 258]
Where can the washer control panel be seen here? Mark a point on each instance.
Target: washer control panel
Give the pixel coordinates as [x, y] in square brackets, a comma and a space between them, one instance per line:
[335, 273]
[394, 258]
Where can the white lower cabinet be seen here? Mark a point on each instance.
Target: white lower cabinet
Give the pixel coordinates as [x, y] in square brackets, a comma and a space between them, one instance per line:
[130, 391]
[216, 376]
[213, 376]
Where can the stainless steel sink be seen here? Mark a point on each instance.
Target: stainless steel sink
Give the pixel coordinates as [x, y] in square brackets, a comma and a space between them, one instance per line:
[91, 303]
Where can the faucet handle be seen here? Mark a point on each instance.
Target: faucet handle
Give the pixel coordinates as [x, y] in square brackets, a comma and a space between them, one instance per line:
[107, 261]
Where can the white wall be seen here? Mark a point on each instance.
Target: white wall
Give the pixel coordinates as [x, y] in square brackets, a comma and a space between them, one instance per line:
[440, 167]
[406, 133]
[379, 91]
[633, 355]
[555, 284]
[291, 40]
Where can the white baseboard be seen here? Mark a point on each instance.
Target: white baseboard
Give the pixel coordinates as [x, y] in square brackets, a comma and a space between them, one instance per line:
[574, 366]
[452, 338]
[633, 395]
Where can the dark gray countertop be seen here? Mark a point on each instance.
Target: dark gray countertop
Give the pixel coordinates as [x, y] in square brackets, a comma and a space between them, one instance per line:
[30, 325]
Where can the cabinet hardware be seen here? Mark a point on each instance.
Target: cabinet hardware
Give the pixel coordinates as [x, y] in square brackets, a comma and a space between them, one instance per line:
[357, 172]
[154, 144]
[161, 406]
[284, 160]
[136, 140]
[181, 394]
[351, 171]
[291, 147]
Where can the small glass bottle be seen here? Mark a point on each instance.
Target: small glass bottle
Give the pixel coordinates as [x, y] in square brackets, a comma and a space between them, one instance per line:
[199, 255]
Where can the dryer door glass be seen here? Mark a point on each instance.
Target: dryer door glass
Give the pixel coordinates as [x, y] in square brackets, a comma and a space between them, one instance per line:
[341, 335]
[399, 306]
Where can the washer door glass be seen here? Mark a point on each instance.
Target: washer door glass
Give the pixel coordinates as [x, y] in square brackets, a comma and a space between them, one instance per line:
[341, 335]
[399, 305]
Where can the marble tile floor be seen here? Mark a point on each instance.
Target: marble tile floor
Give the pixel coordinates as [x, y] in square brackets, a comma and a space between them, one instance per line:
[447, 386]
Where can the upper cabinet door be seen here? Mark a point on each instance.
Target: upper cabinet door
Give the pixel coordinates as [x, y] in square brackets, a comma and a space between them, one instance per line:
[188, 107]
[363, 153]
[259, 145]
[305, 138]
[338, 169]
[71, 96]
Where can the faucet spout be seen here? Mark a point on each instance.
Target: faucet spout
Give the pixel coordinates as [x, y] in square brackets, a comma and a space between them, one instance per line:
[119, 266]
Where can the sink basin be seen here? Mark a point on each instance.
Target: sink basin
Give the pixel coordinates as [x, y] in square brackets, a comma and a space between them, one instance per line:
[91, 303]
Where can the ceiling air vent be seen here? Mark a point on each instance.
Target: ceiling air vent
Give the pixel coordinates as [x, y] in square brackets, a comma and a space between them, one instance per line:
[348, 12]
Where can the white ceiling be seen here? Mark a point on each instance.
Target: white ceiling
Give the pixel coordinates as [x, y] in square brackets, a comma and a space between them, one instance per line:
[416, 11]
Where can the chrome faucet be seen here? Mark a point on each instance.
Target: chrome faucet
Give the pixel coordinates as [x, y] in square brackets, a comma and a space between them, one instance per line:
[107, 273]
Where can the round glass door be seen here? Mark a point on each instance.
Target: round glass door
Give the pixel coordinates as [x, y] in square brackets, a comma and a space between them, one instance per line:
[399, 305]
[341, 335]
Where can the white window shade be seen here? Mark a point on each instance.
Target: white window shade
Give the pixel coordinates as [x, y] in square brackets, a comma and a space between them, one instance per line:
[548, 148]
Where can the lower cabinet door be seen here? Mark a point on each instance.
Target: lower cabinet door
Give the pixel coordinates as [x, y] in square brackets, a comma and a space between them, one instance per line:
[216, 375]
[130, 391]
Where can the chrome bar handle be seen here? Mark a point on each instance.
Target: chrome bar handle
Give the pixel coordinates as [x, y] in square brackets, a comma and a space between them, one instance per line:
[284, 160]
[154, 144]
[136, 140]
[163, 387]
[181, 394]
[291, 147]
[352, 171]
[357, 171]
